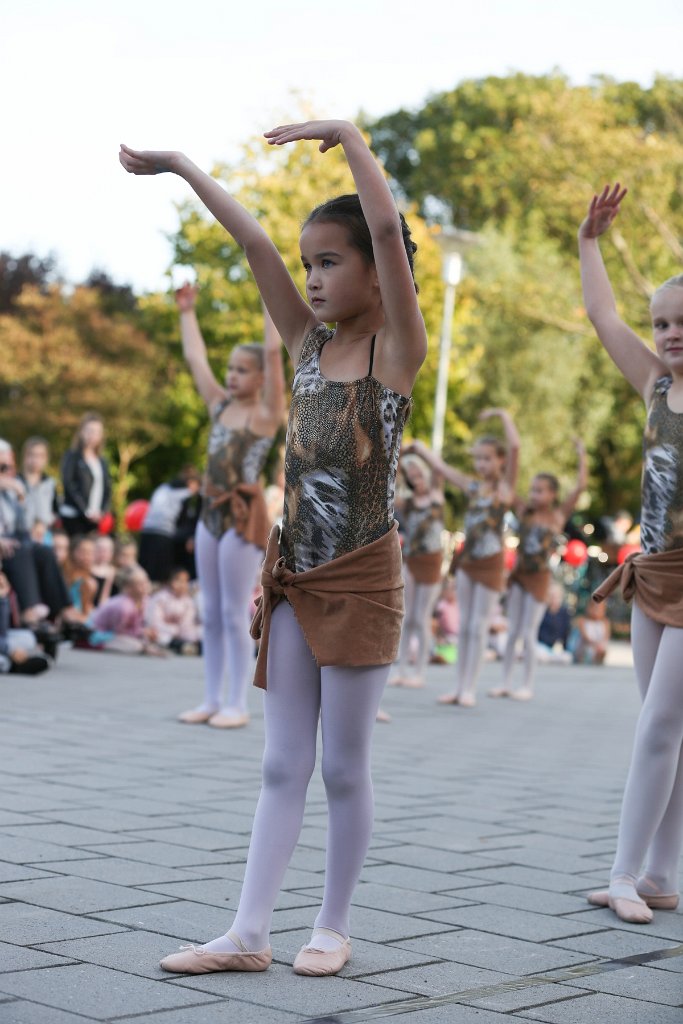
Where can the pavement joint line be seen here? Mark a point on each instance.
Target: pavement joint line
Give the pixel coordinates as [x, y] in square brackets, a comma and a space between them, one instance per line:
[514, 985]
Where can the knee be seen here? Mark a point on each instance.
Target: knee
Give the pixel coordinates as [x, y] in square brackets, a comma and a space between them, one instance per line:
[342, 778]
[660, 733]
[287, 769]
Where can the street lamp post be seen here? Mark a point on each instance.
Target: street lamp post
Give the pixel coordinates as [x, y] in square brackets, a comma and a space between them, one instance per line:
[453, 243]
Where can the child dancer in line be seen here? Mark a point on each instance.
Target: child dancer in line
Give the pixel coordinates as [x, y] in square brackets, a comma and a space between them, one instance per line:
[480, 567]
[645, 870]
[542, 518]
[421, 519]
[338, 558]
[246, 413]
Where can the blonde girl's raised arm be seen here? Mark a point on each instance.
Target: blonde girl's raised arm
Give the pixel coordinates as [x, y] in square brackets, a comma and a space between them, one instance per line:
[638, 363]
[513, 443]
[449, 473]
[405, 331]
[194, 349]
[569, 503]
[292, 315]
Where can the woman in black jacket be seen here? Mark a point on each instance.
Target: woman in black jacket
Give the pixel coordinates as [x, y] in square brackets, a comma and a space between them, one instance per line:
[85, 478]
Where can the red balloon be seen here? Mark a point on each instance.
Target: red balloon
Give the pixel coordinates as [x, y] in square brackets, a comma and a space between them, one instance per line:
[510, 558]
[135, 514]
[625, 551]
[106, 523]
[575, 553]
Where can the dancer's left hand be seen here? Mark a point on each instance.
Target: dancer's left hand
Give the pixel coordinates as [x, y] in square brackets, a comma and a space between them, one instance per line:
[330, 133]
[148, 161]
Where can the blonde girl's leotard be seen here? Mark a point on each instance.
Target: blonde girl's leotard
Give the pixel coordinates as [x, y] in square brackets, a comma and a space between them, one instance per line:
[343, 442]
[236, 455]
[484, 523]
[661, 518]
[422, 527]
[536, 544]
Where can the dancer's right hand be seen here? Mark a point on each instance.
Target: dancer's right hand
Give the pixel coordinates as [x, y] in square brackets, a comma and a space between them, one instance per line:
[149, 161]
[602, 211]
[186, 297]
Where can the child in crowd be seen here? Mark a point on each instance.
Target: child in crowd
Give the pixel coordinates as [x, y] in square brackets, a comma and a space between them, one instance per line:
[592, 635]
[173, 615]
[120, 624]
[41, 505]
[19, 653]
[104, 569]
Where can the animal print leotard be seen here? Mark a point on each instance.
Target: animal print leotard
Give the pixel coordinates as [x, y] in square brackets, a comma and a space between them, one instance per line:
[661, 517]
[484, 523]
[343, 442]
[536, 544]
[422, 527]
[236, 456]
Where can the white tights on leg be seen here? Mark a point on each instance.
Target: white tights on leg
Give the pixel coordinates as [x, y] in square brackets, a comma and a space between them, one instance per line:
[227, 570]
[346, 700]
[524, 615]
[419, 602]
[651, 826]
[476, 604]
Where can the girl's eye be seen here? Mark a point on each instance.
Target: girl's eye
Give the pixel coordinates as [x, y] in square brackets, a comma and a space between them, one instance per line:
[327, 263]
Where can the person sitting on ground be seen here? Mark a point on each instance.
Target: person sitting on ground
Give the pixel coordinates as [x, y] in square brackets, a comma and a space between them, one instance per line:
[19, 653]
[173, 615]
[554, 630]
[104, 569]
[592, 635]
[79, 577]
[120, 624]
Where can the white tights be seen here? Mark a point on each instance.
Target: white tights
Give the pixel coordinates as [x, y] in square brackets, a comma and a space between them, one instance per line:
[524, 616]
[298, 695]
[651, 826]
[476, 604]
[227, 570]
[419, 603]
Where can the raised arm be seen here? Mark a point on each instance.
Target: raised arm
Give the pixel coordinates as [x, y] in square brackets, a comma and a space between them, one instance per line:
[449, 474]
[638, 363]
[513, 444]
[292, 315]
[194, 349]
[273, 373]
[569, 503]
[406, 339]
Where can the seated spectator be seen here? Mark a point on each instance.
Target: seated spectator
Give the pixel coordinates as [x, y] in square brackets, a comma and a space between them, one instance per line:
[592, 634]
[104, 569]
[446, 620]
[31, 568]
[553, 633]
[173, 615]
[85, 478]
[160, 529]
[19, 652]
[60, 547]
[120, 624]
[41, 489]
[79, 577]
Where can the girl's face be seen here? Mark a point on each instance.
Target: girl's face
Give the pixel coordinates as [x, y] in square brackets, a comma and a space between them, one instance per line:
[180, 584]
[417, 478]
[60, 548]
[83, 556]
[104, 550]
[340, 283]
[541, 494]
[138, 586]
[667, 327]
[92, 434]
[488, 464]
[36, 459]
[244, 377]
[127, 556]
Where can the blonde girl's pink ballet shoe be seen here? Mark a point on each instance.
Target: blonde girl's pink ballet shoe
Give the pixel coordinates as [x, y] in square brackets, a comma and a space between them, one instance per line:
[623, 899]
[229, 719]
[448, 698]
[195, 960]
[195, 716]
[382, 716]
[317, 963]
[524, 693]
[663, 901]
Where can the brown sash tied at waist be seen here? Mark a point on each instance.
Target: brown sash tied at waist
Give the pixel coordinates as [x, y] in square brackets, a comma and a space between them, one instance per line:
[489, 571]
[350, 610]
[248, 510]
[656, 583]
[535, 583]
[425, 566]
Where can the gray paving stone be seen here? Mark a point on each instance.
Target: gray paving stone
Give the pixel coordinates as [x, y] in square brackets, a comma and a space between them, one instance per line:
[393, 899]
[614, 944]
[606, 1010]
[537, 878]
[25, 925]
[667, 925]
[61, 835]
[157, 853]
[375, 925]
[520, 924]
[18, 958]
[427, 857]
[521, 897]
[451, 1013]
[369, 958]
[403, 877]
[20, 1011]
[134, 952]
[20, 872]
[436, 979]
[482, 949]
[219, 892]
[194, 836]
[511, 1001]
[233, 1010]
[638, 983]
[122, 872]
[78, 895]
[94, 991]
[191, 922]
[31, 851]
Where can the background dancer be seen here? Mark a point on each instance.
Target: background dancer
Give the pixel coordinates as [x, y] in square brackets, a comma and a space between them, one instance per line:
[340, 556]
[246, 413]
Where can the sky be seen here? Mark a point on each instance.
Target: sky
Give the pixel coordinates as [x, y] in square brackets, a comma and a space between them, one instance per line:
[77, 78]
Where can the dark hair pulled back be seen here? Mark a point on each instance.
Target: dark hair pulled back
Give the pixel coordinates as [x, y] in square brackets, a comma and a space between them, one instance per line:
[347, 211]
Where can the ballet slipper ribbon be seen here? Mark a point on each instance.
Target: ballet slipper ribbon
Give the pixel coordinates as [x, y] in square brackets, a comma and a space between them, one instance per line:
[655, 582]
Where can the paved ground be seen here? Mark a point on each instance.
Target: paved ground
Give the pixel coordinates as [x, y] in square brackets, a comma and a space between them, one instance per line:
[123, 834]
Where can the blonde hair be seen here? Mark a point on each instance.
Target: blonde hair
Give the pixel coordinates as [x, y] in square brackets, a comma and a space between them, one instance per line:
[672, 282]
[253, 348]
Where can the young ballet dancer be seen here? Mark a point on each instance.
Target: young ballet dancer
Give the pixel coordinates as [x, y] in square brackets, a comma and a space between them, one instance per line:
[480, 566]
[246, 413]
[645, 870]
[327, 647]
[541, 518]
[420, 515]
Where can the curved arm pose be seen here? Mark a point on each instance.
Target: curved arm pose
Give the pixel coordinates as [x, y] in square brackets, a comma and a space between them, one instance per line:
[420, 514]
[542, 517]
[246, 412]
[349, 401]
[480, 566]
[644, 874]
